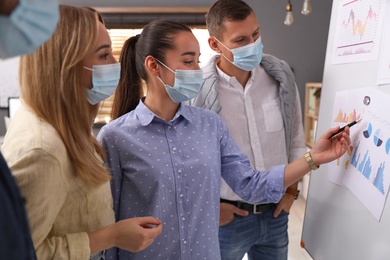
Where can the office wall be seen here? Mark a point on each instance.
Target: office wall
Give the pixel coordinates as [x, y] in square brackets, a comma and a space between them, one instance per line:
[302, 45]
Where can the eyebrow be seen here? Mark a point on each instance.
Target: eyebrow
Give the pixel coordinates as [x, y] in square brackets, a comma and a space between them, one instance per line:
[241, 36]
[257, 30]
[189, 53]
[104, 46]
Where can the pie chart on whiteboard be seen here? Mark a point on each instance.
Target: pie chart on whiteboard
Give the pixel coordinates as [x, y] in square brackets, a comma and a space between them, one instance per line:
[378, 138]
[387, 146]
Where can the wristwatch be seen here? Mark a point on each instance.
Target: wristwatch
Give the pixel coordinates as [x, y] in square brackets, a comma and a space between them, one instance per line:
[310, 161]
[293, 192]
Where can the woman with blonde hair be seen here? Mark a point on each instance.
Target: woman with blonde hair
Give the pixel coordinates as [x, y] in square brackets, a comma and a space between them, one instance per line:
[52, 152]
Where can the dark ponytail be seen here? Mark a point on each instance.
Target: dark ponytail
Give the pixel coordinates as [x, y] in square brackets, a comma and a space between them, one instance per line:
[129, 90]
[156, 38]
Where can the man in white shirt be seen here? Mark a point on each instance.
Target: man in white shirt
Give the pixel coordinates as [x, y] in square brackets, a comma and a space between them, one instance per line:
[256, 96]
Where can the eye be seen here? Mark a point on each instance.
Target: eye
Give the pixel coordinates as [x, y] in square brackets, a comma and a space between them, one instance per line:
[106, 53]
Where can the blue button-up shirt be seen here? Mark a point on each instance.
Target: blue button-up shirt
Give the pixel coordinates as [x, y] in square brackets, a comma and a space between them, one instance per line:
[172, 171]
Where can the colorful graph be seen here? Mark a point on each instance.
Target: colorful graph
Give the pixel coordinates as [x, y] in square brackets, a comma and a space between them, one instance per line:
[344, 117]
[364, 168]
[363, 163]
[384, 68]
[358, 27]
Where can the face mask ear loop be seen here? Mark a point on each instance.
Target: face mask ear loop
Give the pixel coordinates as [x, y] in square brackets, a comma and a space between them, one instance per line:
[226, 49]
[164, 65]
[87, 68]
[161, 80]
[222, 44]
[227, 58]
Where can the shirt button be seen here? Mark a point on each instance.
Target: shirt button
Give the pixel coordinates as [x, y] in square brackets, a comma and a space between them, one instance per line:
[181, 195]
[174, 148]
[169, 127]
[183, 218]
[185, 242]
[179, 171]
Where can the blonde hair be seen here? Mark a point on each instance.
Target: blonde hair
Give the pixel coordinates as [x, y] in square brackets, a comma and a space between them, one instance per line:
[51, 82]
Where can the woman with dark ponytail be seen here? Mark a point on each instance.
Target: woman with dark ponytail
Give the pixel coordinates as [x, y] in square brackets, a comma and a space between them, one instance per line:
[167, 158]
[128, 94]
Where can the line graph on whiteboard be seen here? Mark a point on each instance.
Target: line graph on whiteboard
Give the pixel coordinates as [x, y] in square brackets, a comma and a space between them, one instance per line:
[359, 28]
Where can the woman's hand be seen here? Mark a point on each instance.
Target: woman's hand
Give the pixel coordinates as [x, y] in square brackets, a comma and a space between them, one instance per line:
[132, 234]
[327, 149]
[136, 234]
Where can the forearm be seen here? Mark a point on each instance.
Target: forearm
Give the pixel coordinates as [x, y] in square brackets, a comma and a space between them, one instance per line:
[292, 190]
[101, 239]
[133, 234]
[294, 186]
[294, 171]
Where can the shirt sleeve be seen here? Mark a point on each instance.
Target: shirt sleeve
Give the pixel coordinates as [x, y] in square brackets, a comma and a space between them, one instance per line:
[114, 166]
[298, 143]
[42, 184]
[256, 187]
[113, 163]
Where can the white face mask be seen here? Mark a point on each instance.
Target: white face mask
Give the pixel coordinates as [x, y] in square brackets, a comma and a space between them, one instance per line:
[246, 57]
[187, 84]
[105, 79]
[29, 26]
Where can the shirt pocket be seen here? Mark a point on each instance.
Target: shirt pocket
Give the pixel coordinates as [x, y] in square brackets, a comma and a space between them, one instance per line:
[272, 116]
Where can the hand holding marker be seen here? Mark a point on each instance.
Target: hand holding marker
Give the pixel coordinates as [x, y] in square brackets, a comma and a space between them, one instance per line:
[342, 128]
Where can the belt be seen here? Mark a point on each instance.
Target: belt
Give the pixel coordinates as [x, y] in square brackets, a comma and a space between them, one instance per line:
[255, 209]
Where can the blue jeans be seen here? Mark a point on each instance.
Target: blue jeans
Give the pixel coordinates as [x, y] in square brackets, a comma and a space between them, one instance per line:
[261, 236]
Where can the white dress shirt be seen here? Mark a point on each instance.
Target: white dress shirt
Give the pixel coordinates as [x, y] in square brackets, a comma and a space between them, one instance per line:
[255, 121]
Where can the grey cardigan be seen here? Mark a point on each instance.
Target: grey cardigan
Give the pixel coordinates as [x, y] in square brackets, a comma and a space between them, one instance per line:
[209, 97]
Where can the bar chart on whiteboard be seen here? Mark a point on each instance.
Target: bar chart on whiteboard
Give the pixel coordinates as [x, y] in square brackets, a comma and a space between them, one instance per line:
[347, 213]
[363, 169]
[358, 31]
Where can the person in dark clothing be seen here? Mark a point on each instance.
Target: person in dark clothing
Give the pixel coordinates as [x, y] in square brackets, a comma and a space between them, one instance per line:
[24, 26]
[15, 238]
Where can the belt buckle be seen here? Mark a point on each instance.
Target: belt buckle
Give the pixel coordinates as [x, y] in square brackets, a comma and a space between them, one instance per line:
[260, 211]
[255, 210]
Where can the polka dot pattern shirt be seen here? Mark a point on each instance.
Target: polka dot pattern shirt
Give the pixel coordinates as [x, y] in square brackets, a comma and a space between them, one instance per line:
[172, 171]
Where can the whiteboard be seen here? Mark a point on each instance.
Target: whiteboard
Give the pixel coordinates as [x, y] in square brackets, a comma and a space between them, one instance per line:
[336, 224]
[9, 84]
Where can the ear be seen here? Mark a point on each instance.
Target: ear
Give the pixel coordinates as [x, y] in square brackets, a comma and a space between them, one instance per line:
[214, 44]
[152, 65]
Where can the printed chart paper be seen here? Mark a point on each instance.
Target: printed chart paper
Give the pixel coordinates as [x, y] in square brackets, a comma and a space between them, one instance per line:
[358, 31]
[363, 170]
[384, 68]
[348, 106]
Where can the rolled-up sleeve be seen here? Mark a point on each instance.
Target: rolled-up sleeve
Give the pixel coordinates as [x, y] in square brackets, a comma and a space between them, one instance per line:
[257, 187]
